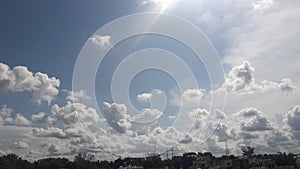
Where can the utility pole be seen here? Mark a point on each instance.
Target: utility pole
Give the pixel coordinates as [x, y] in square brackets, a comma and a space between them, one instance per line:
[226, 150]
[172, 153]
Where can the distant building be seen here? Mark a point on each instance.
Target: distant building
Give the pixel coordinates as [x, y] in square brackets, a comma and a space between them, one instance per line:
[203, 161]
[262, 163]
[207, 161]
[223, 163]
[298, 162]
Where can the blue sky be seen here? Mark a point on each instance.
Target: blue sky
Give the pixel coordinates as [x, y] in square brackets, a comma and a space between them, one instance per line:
[150, 89]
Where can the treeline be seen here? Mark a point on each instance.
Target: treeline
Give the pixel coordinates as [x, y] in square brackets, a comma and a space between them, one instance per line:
[281, 159]
[87, 160]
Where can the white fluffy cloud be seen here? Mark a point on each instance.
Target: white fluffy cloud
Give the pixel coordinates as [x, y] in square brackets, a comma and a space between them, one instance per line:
[198, 113]
[161, 4]
[21, 145]
[116, 116]
[240, 79]
[5, 111]
[292, 118]
[102, 41]
[144, 97]
[190, 98]
[43, 118]
[18, 120]
[77, 96]
[287, 86]
[253, 120]
[49, 132]
[192, 95]
[21, 120]
[147, 116]
[20, 79]
[71, 113]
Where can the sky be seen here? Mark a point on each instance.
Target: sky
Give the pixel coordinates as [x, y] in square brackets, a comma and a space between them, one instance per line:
[127, 78]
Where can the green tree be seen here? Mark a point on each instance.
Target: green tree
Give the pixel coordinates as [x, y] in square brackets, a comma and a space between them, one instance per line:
[13, 161]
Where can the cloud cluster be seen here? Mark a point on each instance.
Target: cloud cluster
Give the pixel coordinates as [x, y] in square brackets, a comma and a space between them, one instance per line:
[147, 116]
[6, 118]
[49, 132]
[240, 79]
[116, 116]
[71, 113]
[263, 41]
[21, 145]
[248, 126]
[292, 118]
[43, 118]
[253, 120]
[20, 79]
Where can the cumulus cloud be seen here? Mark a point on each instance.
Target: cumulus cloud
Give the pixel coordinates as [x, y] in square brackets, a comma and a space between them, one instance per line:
[219, 114]
[43, 118]
[77, 96]
[198, 117]
[198, 113]
[186, 139]
[156, 98]
[248, 112]
[190, 98]
[5, 111]
[258, 123]
[102, 41]
[144, 97]
[292, 118]
[18, 120]
[20, 79]
[239, 78]
[278, 137]
[116, 116]
[49, 132]
[70, 113]
[253, 120]
[21, 120]
[193, 95]
[147, 116]
[75, 131]
[287, 86]
[21, 145]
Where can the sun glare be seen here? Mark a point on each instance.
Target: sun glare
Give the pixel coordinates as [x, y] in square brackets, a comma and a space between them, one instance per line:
[162, 5]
